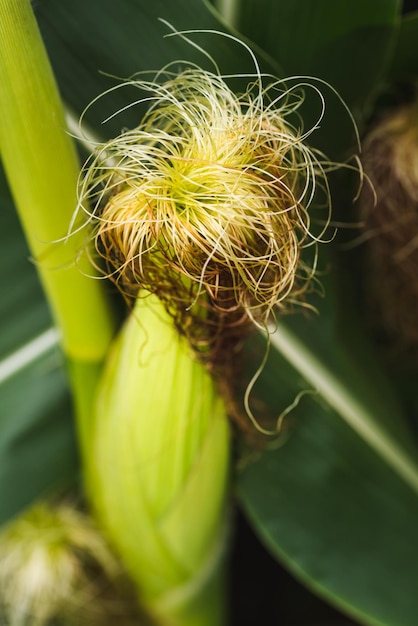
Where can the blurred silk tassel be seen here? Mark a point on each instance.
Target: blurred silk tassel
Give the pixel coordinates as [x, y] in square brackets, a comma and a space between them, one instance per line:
[54, 565]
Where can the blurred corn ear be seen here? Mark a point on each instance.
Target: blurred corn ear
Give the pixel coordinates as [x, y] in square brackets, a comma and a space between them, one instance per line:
[157, 469]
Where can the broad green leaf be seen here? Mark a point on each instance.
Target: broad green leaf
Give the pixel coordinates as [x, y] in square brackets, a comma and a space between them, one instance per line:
[338, 501]
[37, 442]
[336, 515]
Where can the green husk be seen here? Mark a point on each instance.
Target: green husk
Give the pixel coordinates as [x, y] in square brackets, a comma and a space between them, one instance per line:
[157, 469]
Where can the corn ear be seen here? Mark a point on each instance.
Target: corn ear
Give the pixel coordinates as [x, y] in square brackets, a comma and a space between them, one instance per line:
[157, 468]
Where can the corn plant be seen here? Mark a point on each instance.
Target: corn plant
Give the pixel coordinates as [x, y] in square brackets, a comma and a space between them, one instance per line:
[208, 276]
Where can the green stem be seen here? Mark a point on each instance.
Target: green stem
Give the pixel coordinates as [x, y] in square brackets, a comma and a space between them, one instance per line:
[42, 170]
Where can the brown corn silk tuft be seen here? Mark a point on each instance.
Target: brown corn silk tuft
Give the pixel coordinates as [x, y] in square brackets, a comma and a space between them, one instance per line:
[391, 216]
[205, 204]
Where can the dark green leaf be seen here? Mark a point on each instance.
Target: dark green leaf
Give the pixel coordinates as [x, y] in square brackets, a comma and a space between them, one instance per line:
[333, 512]
[37, 442]
[93, 45]
[337, 502]
[24, 311]
[346, 43]
[405, 60]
